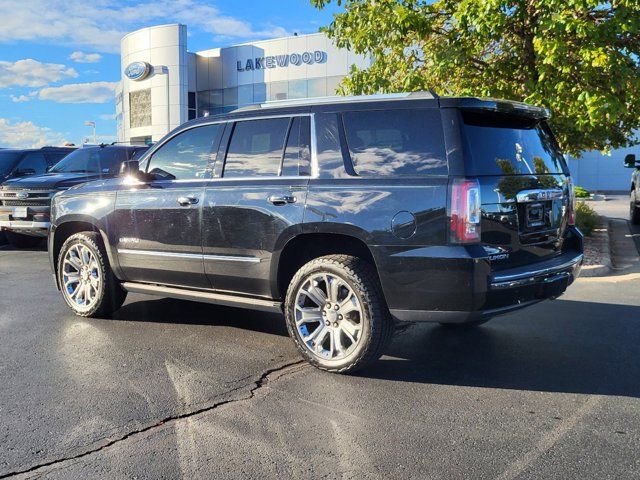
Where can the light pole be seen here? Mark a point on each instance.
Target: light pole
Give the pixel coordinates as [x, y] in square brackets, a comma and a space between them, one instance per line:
[89, 123]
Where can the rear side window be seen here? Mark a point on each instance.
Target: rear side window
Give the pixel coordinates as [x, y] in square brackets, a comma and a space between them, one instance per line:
[188, 155]
[297, 155]
[256, 148]
[396, 142]
[498, 144]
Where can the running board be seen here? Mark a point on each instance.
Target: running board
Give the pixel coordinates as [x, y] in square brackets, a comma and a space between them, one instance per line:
[206, 297]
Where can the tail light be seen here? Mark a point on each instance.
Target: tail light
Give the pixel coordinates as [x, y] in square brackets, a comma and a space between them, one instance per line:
[572, 203]
[465, 211]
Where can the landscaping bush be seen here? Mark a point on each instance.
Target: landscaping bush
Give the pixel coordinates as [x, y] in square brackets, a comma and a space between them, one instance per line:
[581, 192]
[586, 218]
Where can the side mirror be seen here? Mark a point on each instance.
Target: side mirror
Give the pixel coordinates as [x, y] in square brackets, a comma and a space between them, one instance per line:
[130, 167]
[630, 161]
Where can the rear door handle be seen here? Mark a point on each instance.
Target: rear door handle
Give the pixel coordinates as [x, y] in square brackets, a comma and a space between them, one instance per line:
[282, 199]
[188, 200]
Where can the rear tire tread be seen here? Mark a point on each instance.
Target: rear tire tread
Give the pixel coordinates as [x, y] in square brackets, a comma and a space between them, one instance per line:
[365, 279]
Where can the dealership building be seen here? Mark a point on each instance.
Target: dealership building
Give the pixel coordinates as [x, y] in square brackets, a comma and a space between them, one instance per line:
[164, 85]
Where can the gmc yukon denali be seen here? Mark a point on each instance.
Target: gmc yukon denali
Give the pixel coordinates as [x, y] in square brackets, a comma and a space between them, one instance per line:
[351, 215]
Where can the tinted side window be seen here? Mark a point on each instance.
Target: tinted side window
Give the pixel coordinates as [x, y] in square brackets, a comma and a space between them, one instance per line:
[188, 155]
[396, 142]
[297, 156]
[256, 148]
[33, 163]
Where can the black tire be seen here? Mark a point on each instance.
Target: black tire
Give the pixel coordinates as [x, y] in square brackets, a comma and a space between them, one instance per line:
[110, 295]
[634, 210]
[465, 325]
[22, 241]
[376, 325]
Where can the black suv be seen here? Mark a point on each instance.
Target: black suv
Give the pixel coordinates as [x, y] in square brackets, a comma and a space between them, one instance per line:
[25, 201]
[31, 161]
[353, 215]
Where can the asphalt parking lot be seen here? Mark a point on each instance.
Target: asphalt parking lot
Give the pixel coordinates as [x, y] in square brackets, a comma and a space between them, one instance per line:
[170, 389]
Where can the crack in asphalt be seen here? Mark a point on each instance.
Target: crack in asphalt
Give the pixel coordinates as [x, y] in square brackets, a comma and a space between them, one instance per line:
[261, 382]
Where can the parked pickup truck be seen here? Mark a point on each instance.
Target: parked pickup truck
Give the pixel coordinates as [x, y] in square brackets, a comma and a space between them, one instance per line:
[25, 201]
[351, 215]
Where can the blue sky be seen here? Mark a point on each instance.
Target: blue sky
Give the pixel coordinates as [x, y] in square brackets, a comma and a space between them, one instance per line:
[59, 59]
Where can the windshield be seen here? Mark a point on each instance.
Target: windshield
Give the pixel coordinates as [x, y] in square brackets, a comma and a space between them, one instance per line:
[508, 145]
[8, 161]
[97, 160]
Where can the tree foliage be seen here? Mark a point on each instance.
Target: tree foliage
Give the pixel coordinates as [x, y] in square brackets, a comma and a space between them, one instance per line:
[579, 58]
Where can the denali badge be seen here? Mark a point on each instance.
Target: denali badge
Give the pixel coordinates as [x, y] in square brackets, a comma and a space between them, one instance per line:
[129, 240]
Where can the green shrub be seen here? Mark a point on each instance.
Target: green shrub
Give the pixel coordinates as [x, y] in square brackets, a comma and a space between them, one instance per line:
[581, 192]
[586, 218]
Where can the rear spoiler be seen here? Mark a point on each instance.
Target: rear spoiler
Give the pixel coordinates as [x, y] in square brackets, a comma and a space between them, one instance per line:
[494, 105]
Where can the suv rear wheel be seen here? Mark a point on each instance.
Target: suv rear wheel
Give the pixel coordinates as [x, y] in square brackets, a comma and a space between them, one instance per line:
[22, 241]
[634, 210]
[336, 314]
[86, 280]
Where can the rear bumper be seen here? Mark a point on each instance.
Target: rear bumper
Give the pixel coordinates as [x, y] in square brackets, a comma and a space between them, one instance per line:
[509, 291]
[451, 284]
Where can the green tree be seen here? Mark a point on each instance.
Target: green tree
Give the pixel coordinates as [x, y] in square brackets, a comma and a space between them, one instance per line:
[579, 58]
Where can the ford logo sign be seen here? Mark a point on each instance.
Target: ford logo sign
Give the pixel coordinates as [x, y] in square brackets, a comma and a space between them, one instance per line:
[137, 71]
[22, 195]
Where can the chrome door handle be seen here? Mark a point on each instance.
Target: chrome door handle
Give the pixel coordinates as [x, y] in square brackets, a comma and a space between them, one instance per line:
[186, 201]
[282, 199]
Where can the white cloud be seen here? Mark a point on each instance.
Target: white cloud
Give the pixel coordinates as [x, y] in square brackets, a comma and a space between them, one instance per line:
[27, 135]
[107, 116]
[32, 73]
[83, 57]
[20, 98]
[100, 25]
[92, 92]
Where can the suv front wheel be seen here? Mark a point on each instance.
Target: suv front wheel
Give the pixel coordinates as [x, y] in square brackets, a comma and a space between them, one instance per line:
[336, 314]
[85, 277]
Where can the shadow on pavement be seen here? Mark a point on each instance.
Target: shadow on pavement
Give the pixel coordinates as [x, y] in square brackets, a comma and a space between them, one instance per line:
[576, 347]
[561, 346]
[166, 310]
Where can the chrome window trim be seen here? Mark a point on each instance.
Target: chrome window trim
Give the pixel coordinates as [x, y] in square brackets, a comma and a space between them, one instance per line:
[195, 256]
[314, 147]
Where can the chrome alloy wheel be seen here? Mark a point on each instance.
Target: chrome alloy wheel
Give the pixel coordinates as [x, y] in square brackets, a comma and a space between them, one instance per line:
[81, 277]
[328, 316]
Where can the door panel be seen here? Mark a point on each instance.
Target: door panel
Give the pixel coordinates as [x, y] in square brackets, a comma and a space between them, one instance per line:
[159, 224]
[259, 203]
[242, 228]
[159, 238]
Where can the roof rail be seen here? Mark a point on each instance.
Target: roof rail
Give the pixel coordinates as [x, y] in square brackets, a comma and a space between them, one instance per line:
[339, 99]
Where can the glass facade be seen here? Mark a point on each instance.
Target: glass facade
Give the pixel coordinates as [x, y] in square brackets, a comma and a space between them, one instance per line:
[213, 102]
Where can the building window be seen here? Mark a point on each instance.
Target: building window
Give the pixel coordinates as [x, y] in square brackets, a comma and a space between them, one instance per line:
[230, 96]
[191, 105]
[297, 89]
[317, 87]
[332, 84]
[278, 91]
[140, 108]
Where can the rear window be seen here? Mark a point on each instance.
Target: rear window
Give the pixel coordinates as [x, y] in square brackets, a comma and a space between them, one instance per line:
[396, 142]
[507, 145]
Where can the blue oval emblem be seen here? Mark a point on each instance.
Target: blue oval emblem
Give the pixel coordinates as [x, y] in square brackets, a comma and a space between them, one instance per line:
[137, 70]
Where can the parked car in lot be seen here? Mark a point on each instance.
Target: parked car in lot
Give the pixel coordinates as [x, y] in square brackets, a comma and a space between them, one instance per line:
[353, 215]
[630, 161]
[25, 201]
[16, 163]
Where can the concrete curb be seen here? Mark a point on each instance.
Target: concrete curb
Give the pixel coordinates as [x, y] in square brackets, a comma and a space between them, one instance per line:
[606, 267]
